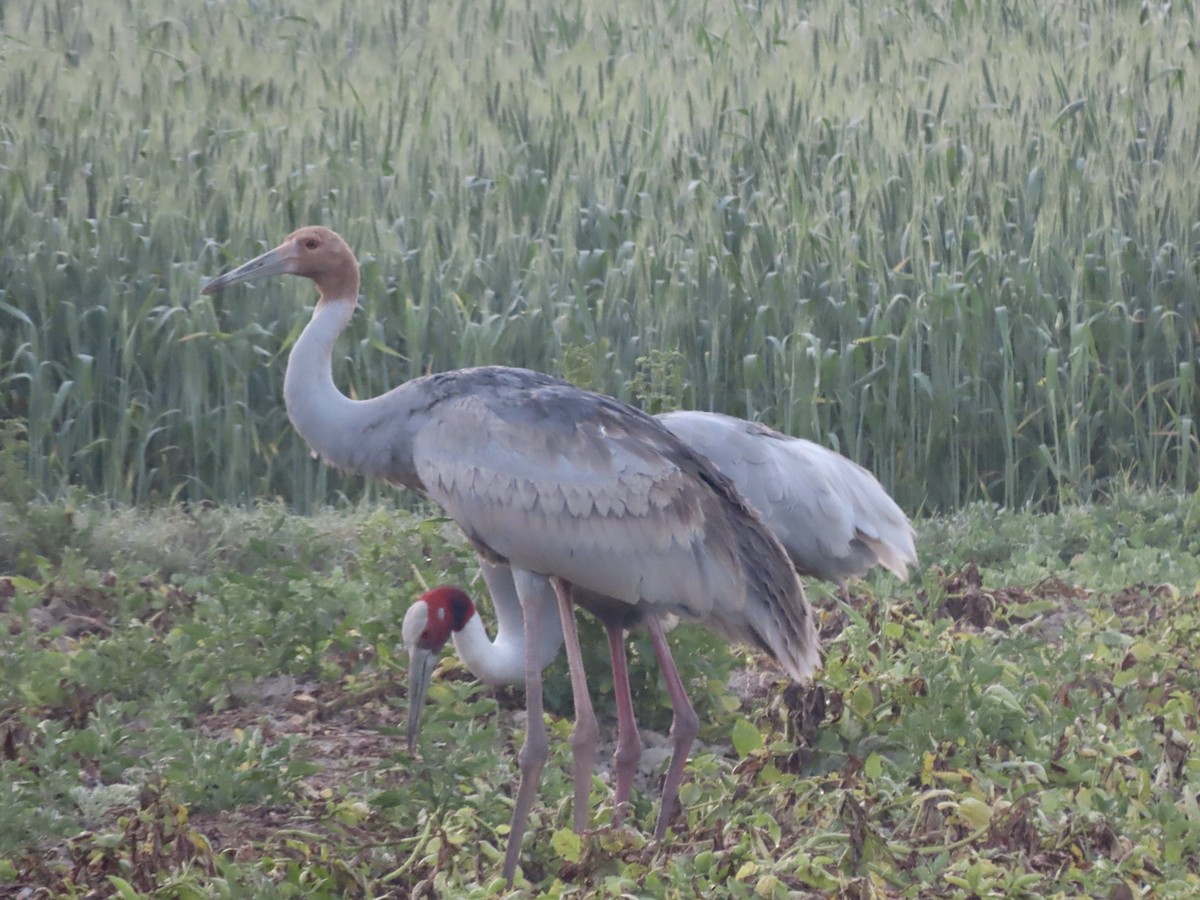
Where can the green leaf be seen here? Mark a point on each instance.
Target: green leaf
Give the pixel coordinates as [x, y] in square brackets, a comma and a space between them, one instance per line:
[767, 886]
[1004, 697]
[567, 844]
[689, 794]
[975, 812]
[746, 870]
[863, 701]
[746, 738]
[1143, 651]
[124, 888]
[389, 799]
[1125, 677]
[21, 583]
[873, 767]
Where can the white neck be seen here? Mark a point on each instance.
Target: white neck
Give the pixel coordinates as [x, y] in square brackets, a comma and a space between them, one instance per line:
[502, 661]
[318, 410]
[370, 437]
[373, 437]
[498, 662]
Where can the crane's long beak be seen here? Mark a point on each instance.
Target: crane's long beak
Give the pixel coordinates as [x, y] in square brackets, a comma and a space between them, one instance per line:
[279, 261]
[421, 664]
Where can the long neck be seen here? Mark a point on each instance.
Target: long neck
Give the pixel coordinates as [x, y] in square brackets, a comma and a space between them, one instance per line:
[371, 437]
[502, 661]
[318, 410]
[493, 662]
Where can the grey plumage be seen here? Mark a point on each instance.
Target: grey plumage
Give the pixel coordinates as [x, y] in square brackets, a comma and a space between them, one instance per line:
[832, 516]
[571, 489]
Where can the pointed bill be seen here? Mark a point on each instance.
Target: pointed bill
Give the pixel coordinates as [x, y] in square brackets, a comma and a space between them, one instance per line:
[421, 664]
[279, 261]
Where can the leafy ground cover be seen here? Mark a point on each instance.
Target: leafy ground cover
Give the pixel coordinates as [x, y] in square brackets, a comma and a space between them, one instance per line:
[207, 702]
[955, 240]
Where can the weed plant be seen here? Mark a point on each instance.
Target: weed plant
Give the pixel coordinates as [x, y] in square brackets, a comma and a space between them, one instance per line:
[1020, 721]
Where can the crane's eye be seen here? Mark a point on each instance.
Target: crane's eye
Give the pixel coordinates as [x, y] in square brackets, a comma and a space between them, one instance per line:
[312, 243]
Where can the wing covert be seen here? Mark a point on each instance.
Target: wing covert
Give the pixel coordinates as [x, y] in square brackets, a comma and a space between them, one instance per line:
[577, 487]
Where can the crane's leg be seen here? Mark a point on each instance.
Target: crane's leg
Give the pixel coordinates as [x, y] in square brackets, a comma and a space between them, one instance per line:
[684, 726]
[533, 754]
[587, 732]
[629, 742]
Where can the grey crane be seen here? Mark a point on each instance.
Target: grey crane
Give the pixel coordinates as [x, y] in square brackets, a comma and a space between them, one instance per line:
[832, 516]
[576, 493]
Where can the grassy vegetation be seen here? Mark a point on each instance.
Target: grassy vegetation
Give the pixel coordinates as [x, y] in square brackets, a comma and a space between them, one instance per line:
[206, 703]
[956, 240]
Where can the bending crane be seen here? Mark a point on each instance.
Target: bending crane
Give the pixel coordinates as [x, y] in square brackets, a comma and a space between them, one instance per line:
[575, 492]
[833, 517]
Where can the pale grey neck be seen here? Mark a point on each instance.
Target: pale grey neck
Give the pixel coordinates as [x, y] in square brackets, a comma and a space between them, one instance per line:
[502, 661]
[321, 413]
[493, 662]
[371, 437]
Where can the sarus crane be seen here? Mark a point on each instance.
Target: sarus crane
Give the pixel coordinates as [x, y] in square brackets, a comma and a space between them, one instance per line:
[832, 516]
[575, 492]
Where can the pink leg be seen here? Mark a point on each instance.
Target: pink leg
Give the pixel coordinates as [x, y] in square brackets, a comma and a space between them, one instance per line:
[684, 726]
[629, 742]
[533, 754]
[587, 732]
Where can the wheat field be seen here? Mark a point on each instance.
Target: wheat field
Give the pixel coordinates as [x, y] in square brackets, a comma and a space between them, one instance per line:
[955, 240]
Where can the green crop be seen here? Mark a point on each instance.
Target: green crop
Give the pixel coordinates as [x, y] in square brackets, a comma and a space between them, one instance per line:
[957, 241]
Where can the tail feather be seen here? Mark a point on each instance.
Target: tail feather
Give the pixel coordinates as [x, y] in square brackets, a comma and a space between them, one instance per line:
[777, 616]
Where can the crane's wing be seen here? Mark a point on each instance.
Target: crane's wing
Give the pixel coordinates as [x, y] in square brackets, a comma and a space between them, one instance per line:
[565, 482]
[878, 520]
[832, 516]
